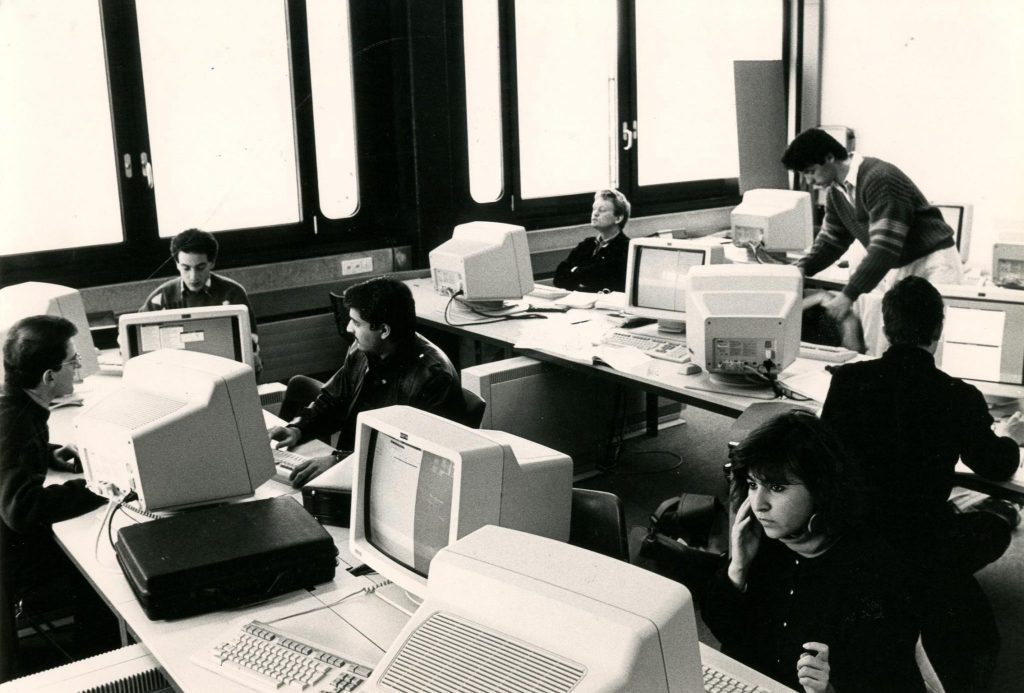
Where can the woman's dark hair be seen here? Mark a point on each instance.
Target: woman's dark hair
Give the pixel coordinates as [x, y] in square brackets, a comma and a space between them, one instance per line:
[384, 301]
[33, 346]
[810, 147]
[798, 446]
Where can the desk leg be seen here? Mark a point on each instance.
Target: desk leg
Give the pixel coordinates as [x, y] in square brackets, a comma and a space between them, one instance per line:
[478, 352]
[651, 405]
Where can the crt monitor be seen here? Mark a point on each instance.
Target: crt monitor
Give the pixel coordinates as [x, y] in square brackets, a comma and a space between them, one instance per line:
[541, 615]
[778, 221]
[420, 482]
[741, 316]
[1008, 265]
[983, 334]
[216, 330]
[655, 276]
[184, 429]
[484, 263]
[38, 298]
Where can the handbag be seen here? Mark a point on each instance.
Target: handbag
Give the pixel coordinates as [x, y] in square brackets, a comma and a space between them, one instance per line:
[687, 540]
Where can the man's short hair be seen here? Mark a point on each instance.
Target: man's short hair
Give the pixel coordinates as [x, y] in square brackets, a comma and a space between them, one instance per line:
[620, 205]
[382, 300]
[33, 346]
[195, 241]
[810, 147]
[912, 312]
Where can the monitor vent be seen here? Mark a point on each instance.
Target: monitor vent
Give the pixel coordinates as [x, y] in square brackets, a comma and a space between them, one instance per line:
[757, 303]
[137, 410]
[448, 653]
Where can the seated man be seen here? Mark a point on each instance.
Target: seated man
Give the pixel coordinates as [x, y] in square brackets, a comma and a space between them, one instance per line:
[195, 254]
[39, 365]
[388, 363]
[599, 262]
[910, 423]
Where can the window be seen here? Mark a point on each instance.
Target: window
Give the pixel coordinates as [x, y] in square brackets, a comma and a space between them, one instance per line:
[221, 133]
[58, 165]
[125, 122]
[637, 95]
[483, 90]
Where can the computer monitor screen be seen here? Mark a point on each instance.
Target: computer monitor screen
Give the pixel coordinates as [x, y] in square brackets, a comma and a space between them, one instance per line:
[536, 614]
[1008, 265]
[38, 298]
[217, 330]
[656, 269]
[778, 221]
[183, 429]
[742, 316]
[484, 263]
[983, 334]
[420, 482]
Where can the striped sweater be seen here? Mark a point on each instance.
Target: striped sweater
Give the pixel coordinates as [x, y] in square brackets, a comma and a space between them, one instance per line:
[891, 218]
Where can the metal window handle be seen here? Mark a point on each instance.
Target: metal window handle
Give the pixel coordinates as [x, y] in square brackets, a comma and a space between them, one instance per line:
[127, 165]
[628, 136]
[147, 169]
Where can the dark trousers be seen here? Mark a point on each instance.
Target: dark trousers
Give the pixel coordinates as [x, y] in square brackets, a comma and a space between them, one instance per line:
[958, 627]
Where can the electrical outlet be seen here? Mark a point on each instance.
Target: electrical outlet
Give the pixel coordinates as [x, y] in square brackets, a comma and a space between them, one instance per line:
[356, 266]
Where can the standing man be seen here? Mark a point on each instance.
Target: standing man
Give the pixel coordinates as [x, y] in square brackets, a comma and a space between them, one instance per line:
[195, 254]
[39, 365]
[388, 363]
[599, 262]
[874, 202]
[910, 423]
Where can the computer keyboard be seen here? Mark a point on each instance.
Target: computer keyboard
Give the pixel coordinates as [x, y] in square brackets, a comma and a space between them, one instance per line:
[655, 347]
[821, 352]
[267, 659]
[717, 681]
[285, 461]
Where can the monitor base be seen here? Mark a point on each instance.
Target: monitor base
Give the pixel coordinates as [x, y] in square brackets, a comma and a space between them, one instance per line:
[672, 326]
[738, 380]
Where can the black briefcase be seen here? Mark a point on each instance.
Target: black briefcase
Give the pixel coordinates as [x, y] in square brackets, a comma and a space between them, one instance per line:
[224, 556]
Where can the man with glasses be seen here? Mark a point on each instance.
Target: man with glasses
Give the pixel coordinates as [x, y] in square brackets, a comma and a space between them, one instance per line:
[39, 366]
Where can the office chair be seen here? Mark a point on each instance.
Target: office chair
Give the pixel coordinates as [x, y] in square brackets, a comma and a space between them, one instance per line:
[474, 412]
[598, 523]
[340, 313]
[300, 392]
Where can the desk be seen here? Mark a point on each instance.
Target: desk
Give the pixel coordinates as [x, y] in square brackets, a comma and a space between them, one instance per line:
[362, 626]
[657, 378]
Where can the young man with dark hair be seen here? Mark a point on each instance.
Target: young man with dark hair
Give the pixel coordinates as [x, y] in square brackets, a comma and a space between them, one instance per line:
[195, 254]
[39, 365]
[910, 423]
[875, 203]
[599, 262]
[388, 363]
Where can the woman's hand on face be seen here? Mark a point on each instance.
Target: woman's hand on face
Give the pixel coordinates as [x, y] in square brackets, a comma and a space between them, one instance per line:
[812, 669]
[743, 543]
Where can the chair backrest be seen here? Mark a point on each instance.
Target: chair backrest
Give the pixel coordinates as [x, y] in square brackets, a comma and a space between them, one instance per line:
[598, 523]
[475, 406]
[340, 313]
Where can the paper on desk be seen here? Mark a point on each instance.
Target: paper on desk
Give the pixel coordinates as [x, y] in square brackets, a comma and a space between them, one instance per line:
[622, 358]
[581, 341]
[813, 383]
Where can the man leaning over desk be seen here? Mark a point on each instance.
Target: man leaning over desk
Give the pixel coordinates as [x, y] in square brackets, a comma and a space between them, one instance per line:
[875, 203]
[388, 363]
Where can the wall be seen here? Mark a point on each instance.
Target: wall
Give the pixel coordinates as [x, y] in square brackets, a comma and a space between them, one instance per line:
[936, 88]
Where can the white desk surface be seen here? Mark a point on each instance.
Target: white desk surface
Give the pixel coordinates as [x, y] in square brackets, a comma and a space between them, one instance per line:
[657, 376]
[362, 626]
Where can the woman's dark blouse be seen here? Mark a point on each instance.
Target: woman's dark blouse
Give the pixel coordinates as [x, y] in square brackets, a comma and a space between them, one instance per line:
[846, 598]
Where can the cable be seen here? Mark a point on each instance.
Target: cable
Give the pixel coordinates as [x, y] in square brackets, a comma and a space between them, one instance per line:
[369, 589]
[492, 317]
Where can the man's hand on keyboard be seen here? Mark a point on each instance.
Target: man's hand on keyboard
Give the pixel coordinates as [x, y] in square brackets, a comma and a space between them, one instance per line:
[311, 468]
[286, 436]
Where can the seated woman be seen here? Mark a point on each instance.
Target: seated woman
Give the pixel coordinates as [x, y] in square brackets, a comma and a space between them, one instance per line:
[599, 262]
[809, 596]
